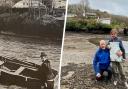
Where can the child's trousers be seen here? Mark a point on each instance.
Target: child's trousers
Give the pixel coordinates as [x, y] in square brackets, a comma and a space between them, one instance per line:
[117, 71]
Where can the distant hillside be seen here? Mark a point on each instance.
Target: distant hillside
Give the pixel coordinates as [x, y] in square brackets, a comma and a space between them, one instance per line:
[116, 19]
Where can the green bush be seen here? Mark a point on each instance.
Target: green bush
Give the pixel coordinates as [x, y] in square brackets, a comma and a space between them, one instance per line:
[102, 26]
[70, 25]
[73, 25]
[90, 26]
[76, 25]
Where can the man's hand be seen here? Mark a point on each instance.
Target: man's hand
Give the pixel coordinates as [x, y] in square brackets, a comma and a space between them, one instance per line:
[98, 75]
[119, 53]
[126, 59]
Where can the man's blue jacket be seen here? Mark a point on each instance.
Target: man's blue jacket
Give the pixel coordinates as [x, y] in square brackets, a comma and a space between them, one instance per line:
[101, 60]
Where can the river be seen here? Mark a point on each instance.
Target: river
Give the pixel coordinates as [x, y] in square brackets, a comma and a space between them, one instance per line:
[29, 49]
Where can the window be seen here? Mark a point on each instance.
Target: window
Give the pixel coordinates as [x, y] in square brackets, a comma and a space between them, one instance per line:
[23, 3]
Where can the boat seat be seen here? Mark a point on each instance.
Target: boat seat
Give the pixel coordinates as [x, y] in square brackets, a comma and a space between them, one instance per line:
[20, 70]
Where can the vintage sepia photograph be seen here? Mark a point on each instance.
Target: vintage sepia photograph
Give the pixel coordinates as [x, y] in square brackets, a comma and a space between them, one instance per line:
[95, 52]
[31, 34]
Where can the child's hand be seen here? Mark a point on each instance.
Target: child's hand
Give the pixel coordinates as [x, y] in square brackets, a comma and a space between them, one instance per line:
[108, 46]
[126, 59]
[119, 53]
[98, 75]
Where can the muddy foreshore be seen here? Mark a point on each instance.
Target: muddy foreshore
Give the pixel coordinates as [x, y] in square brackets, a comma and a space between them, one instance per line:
[77, 71]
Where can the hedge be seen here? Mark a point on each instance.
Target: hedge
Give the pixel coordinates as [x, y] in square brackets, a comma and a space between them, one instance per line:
[88, 26]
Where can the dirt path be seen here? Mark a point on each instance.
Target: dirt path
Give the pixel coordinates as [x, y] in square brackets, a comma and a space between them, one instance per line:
[77, 70]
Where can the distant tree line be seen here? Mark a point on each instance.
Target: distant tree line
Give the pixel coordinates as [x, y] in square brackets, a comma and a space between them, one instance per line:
[81, 23]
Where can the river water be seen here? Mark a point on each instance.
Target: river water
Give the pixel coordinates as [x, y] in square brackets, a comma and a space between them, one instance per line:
[29, 49]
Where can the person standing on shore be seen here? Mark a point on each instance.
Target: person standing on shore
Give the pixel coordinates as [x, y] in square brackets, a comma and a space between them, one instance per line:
[45, 72]
[116, 64]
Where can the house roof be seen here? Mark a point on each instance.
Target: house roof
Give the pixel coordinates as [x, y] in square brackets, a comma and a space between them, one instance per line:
[28, 3]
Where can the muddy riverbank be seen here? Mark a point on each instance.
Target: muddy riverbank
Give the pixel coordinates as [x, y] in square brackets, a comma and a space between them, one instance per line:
[77, 71]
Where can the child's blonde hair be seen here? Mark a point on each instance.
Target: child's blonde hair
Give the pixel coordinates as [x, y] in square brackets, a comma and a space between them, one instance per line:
[114, 30]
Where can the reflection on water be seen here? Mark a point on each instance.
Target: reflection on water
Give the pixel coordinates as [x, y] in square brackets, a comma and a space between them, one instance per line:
[29, 49]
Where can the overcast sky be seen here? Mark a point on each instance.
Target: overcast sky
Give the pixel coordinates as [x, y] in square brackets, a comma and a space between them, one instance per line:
[119, 7]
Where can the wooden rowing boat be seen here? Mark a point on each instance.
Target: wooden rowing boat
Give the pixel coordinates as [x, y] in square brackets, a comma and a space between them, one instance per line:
[22, 73]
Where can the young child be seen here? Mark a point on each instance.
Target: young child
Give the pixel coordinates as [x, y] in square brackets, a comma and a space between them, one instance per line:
[116, 65]
[101, 61]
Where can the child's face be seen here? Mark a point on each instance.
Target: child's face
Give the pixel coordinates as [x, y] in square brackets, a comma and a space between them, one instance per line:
[113, 35]
[102, 45]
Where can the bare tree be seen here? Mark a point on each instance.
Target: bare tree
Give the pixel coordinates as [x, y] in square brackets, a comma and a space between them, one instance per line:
[79, 9]
[84, 4]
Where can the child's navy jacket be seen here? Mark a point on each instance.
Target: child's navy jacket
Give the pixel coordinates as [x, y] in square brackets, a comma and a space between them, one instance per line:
[101, 59]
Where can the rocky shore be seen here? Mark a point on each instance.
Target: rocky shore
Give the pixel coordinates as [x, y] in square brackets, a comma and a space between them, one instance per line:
[77, 71]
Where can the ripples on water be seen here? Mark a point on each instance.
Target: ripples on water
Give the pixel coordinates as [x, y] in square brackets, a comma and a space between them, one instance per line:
[29, 49]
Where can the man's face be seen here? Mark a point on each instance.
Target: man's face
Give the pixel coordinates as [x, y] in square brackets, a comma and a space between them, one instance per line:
[43, 57]
[102, 45]
[113, 35]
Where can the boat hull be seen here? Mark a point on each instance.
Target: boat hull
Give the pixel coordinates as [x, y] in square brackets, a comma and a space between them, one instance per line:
[18, 73]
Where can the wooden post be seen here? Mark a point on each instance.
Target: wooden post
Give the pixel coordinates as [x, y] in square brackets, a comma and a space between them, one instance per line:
[39, 8]
[29, 8]
[10, 8]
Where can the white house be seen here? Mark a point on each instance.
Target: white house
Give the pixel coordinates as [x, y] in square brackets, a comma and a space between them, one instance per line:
[59, 4]
[89, 14]
[104, 20]
[28, 3]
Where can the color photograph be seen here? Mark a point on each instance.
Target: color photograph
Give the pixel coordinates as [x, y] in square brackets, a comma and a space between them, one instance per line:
[31, 34]
[95, 48]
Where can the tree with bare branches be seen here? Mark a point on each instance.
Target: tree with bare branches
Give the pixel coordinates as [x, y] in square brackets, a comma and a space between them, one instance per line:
[79, 9]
